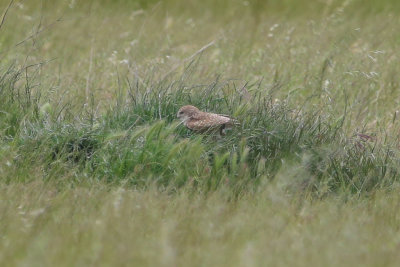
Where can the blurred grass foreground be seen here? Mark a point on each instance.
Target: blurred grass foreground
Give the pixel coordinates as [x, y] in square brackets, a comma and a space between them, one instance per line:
[95, 169]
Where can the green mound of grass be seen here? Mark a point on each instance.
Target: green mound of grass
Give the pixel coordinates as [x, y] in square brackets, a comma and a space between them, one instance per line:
[139, 142]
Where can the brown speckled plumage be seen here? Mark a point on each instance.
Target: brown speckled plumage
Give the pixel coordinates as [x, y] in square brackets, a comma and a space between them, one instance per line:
[200, 121]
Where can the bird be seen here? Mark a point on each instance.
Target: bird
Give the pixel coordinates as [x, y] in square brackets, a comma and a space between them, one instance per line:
[199, 121]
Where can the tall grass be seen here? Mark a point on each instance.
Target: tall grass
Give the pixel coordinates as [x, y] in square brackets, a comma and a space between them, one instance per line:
[95, 169]
[137, 140]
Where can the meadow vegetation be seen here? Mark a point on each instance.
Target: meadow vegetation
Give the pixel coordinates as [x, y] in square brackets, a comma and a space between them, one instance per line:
[95, 169]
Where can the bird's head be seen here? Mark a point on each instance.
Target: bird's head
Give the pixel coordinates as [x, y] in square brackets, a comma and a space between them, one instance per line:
[187, 112]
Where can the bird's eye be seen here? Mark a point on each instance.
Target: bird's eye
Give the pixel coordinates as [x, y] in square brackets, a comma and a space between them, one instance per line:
[181, 112]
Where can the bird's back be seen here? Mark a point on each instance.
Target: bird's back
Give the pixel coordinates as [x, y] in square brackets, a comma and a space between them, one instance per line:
[205, 121]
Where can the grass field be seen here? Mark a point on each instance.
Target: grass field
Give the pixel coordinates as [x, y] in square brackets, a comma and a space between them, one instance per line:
[95, 169]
